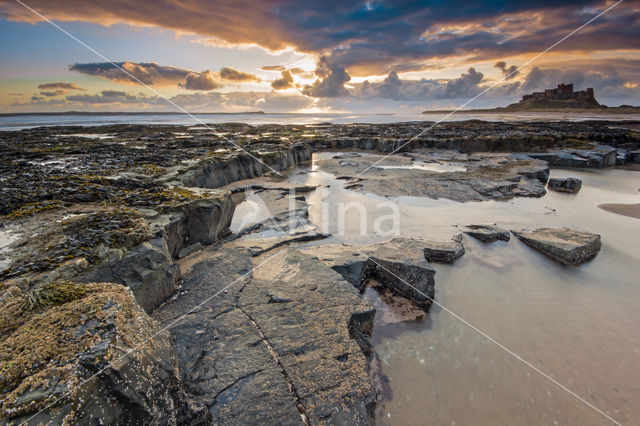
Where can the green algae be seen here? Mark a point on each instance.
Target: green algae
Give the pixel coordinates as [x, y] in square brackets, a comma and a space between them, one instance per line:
[29, 209]
[81, 237]
[51, 294]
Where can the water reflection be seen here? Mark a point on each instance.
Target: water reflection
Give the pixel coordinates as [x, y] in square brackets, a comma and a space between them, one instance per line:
[580, 325]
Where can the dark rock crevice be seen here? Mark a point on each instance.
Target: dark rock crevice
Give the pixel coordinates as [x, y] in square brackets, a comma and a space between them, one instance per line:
[283, 370]
[215, 173]
[235, 382]
[261, 351]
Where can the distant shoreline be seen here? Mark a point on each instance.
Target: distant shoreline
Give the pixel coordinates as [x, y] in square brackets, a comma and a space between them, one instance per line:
[506, 110]
[92, 113]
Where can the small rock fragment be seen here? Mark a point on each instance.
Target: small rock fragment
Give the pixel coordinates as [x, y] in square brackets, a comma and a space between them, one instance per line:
[277, 297]
[189, 250]
[487, 233]
[444, 252]
[571, 185]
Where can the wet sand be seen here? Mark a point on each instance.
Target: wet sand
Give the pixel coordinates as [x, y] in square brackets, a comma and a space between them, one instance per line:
[631, 210]
[632, 167]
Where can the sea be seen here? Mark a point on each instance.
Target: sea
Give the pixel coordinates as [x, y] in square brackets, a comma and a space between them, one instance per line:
[9, 122]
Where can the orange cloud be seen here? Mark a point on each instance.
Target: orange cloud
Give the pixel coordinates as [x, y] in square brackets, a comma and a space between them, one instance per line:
[151, 73]
[286, 82]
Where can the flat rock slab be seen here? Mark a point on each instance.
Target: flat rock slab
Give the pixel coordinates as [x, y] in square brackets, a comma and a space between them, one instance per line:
[487, 177]
[571, 185]
[398, 265]
[274, 342]
[598, 157]
[260, 246]
[444, 251]
[487, 233]
[563, 245]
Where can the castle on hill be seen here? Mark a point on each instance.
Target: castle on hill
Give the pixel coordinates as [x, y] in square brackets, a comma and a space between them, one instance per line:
[562, 92]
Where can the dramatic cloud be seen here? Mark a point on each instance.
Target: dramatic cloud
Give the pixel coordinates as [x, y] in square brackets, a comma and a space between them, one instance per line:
[205, 80]
[391, 93]
[286, 82]
[332, 78]
[419, 35]
[363, 39]
[330, 83]
[64, 86]
[370, 37]
[129, 72]
[393, 87]
[151, 73]
[509, 72]
[609, 86]
[465, 86]
[227, 73]
[53, 93]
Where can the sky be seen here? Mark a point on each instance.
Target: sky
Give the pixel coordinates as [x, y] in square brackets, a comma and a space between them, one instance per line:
[310, 57]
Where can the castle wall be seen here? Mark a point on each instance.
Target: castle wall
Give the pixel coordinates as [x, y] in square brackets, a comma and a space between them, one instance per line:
[563, 91]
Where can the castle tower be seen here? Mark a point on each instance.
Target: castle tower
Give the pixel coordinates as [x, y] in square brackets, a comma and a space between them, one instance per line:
[565, 91]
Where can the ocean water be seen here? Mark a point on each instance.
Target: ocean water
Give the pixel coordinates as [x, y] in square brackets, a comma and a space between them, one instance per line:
[25, 121]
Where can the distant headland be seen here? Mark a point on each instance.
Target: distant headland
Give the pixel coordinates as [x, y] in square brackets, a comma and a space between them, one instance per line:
[562, 99]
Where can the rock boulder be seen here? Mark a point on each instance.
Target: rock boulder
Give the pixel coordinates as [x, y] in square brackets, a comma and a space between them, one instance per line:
[563, 245]
[398, 265]
[571, 185]
[444, 251]
[74, 365]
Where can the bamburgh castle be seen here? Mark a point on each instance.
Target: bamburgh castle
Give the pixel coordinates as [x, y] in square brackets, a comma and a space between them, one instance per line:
[564, 91]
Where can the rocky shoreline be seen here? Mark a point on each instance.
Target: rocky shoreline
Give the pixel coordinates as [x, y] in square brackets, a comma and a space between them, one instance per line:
[116, 232]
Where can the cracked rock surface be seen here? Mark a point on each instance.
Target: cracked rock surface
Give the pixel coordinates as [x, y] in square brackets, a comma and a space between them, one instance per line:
[284, 340]
[398, 265]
